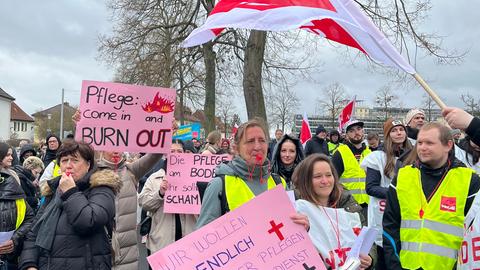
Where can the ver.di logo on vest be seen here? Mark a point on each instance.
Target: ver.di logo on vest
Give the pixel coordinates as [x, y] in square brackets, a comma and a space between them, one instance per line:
[448, 204]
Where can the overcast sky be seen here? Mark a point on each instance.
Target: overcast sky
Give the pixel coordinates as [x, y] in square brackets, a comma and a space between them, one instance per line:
[49, 45]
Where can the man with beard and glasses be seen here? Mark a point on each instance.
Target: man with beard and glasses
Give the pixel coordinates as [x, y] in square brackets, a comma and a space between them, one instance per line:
[347, 161]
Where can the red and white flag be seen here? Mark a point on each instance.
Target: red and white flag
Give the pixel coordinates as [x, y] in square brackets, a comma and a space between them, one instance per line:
[346, 114]
[341, 21]
[305, 132]
[234, 131]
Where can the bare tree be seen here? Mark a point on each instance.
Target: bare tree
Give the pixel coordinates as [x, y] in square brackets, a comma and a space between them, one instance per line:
[385, 99]
[471, 105]
[333, 101]
[428, 106]
[283, 103]
[144, 46]
[226, 111]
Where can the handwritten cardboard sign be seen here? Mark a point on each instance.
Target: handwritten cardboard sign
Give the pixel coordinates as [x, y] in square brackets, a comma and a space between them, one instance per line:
[184, 171]
[123, 117]
[188, 132]
[257, 235]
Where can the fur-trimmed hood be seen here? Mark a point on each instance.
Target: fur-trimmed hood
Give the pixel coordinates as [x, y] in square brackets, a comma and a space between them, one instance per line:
[94, 178]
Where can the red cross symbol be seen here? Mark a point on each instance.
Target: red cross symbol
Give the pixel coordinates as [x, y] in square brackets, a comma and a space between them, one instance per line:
[276, 229]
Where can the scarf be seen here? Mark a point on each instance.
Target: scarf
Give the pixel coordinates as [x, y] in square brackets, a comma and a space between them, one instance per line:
[286, 172]
[47, 224]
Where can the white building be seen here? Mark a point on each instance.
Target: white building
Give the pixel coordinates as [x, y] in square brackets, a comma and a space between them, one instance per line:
[5, 115]
[21, 124]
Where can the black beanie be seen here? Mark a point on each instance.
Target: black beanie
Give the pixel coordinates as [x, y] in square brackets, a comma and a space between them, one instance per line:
[319, 129]
[3, 150]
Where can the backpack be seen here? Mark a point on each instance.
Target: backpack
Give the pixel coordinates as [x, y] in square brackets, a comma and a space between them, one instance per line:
[202, 186]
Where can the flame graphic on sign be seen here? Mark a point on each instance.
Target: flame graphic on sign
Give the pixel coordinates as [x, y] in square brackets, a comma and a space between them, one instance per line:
[159, 104]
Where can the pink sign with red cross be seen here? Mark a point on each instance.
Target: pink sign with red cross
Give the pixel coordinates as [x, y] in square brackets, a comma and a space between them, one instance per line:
[258, 235]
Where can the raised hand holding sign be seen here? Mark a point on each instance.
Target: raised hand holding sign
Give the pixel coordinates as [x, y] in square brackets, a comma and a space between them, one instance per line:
[122, 117]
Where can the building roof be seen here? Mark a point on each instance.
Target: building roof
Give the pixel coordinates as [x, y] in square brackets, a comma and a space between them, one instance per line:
[5, 95]
[16, 113]
[53, 109]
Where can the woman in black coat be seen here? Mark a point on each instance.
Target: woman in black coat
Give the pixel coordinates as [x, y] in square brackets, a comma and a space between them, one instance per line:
[15, 214]
[72, 227]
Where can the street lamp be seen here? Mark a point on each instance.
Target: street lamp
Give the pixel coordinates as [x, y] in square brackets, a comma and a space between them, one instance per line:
[49, 117]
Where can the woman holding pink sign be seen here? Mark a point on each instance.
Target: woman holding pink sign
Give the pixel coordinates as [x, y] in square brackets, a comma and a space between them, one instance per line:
[243, 178]
[335, 217]
[166, 228]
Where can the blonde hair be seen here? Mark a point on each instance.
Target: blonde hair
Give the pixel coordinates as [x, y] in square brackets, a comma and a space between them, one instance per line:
[214, 137]
[255, 122]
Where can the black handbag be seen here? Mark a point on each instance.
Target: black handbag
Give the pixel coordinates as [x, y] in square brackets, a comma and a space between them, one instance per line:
[145, 226]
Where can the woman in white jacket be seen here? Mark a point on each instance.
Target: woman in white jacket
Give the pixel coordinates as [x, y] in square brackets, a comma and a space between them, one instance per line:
[166, 228]
[380, 167]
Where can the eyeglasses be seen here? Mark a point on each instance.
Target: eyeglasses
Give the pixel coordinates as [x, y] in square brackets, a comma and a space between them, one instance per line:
[53, 141]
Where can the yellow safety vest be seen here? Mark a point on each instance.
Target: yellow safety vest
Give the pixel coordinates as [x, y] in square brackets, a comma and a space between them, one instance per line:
[353, 176]
[238, 193]
[21, 209]
[432, 241]
[332, 147]
[56, 169]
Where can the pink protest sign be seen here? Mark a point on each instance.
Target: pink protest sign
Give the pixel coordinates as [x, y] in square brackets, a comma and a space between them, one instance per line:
[184, 171]
[257, 235]
[124, 117]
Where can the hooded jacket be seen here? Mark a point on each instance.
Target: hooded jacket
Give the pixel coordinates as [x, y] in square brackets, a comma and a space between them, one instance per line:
[25, 149]
[211, 206]
[277, 165]
[124, 238]
[80, 238]
[10, 191]
[26, 180]
[392, 218]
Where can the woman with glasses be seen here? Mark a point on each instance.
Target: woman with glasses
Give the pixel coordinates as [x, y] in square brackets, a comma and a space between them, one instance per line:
[53, 143]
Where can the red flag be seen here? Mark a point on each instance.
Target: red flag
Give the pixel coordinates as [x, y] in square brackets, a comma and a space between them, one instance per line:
[339, 20]
[305, 133]
[346, 114]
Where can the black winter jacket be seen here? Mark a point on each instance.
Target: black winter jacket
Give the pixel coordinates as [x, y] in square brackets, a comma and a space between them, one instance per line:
[81, 239]
[473, 130]
[10, 191]
[412, 133]
[26, 181]
[316, 145]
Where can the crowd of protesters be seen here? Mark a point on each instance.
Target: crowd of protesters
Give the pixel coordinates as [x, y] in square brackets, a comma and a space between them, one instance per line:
[70, 207]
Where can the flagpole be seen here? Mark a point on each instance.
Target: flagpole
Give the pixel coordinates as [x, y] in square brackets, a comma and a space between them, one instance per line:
[430, 91]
